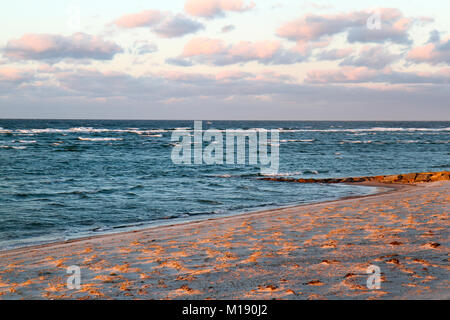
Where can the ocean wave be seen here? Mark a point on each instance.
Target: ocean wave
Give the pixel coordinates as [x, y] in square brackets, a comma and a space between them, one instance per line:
[410, 141]
[311, 172]
[146, 132]
[374, 129]
[82, 130]
[285, 174]
[160, 130]
[99, 139]
[153, 135]
[212, 202]
[297, 140]
[12, 147]
[355, 141]
[82, 193]
[395, 141]
[239, 175]
[279, 174]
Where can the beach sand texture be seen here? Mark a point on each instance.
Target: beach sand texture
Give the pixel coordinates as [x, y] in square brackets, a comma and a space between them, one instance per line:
[316, 251]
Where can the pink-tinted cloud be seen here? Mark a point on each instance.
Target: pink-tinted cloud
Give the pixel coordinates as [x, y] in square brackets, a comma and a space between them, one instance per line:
[145, 18]
[164, 24]
[57, 47]
[306, 47]
[216, 52]
[311, 27]
[345, 74]
[216, 8]
[13, 80]
[14, 74]
[366, 75]
[434, 53]
[80, 90]
[204, 46]
[244, 49]
[175, 85]
[255, 50]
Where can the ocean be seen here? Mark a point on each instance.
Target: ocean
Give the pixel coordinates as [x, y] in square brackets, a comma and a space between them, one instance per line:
[64, 179]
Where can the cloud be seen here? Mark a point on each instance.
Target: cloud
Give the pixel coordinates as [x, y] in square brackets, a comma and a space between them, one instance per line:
[228, 28]
[312, 27]
[435, 36]
[231, 75]
[234, 94]
[216, 8]
[165, 85]
[179, 62]
[177, 26]
[434, 52]
[14, 79]
[16, 75]
[57, 47]
[342, 75]
[372, 57]
[366, 75]
[216, 52]
[146, 18]
[176, 88]
[164, 24]
[334, 54]
[143, 47]
[204, 46]
[96, 84]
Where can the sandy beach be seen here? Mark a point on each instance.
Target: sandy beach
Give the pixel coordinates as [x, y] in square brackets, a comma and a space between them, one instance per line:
[224, 158]
[316, 251]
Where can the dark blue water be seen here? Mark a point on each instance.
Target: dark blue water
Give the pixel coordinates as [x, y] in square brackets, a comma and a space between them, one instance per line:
[64, 179]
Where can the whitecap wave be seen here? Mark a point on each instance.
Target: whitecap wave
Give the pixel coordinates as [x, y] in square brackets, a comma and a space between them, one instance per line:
[153, 135]
[374, 129]
[99, 139]
[282, 174]
[356, 141]
[153, 131]
[82, 130]
[12, 147]
[297, 140]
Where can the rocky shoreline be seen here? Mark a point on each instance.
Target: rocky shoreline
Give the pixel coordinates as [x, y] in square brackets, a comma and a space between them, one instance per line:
[420, 177]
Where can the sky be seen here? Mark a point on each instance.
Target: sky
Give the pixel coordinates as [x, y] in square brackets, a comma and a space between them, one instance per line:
[225, 59]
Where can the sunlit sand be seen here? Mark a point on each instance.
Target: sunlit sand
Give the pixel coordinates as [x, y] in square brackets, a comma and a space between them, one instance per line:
[316, 251]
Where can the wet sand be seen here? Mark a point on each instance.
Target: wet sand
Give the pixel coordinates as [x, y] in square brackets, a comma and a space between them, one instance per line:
[316, 251]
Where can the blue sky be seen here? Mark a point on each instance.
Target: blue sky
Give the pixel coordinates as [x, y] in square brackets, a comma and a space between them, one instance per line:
[234, 59]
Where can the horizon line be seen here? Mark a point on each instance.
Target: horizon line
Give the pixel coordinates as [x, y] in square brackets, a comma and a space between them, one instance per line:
[266, 120]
